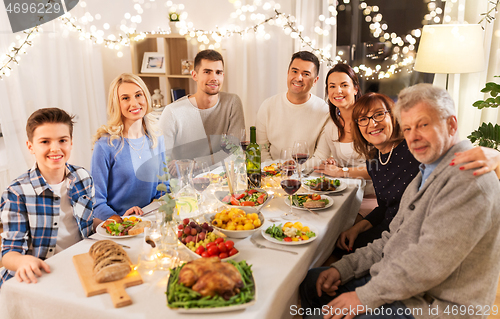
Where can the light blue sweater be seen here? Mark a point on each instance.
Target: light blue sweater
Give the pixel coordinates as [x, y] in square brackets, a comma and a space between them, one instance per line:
[127, 177]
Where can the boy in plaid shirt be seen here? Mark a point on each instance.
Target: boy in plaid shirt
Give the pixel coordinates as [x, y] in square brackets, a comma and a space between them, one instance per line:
[48, 208]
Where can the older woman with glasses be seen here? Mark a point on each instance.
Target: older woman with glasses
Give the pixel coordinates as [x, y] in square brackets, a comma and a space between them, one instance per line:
[390, 164]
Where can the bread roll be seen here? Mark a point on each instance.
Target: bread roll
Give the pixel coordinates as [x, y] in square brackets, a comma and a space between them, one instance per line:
[139, 227]
[111, 262]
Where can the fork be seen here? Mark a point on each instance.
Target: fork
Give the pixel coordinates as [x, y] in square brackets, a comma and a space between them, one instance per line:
[278, 249]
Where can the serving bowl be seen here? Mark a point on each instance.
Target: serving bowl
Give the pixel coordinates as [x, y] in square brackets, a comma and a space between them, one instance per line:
[237, 233]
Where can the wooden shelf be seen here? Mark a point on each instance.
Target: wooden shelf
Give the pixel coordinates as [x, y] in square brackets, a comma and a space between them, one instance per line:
[175, 49]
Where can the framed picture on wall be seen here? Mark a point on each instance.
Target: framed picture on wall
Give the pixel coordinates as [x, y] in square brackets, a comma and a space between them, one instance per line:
[153, 62]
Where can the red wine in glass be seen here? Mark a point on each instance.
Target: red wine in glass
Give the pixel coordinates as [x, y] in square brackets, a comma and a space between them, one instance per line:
[244, 145]
[288, 169]
[201, 183]
[290, 186]
[300, 158]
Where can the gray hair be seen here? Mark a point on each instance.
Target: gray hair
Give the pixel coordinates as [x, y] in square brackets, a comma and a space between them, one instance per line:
[437, 98]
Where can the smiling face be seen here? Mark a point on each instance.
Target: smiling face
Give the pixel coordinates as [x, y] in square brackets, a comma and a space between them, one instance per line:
[378, 133]
[51, 144]
[209, 76]
[300, 80]
[428, 135]
[133, 104]
[341, 90]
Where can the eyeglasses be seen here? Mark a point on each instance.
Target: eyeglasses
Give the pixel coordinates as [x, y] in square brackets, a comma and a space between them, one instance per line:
[377, 117]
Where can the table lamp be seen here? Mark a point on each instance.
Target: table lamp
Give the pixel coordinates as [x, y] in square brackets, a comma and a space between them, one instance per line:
[450, 48]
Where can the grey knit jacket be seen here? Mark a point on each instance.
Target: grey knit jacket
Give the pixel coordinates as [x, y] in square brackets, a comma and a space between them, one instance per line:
[443, 247]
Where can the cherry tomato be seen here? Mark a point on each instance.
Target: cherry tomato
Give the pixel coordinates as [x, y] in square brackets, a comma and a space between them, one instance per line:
[260, 200]
[233, 251]
[316, 197]
[219, 240]
[235, 202]
[239, 196]
[251, 191]
[210, 244]
[287, 239]
[222, 247]
[229, 244]
[247, 203]
[200, 250]
[223, 255]
[213, 251]
[205, 254]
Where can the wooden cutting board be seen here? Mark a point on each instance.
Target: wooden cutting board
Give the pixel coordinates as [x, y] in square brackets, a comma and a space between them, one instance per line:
[83, 264]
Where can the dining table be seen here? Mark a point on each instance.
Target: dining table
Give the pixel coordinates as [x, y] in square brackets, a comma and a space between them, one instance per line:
[277, 274]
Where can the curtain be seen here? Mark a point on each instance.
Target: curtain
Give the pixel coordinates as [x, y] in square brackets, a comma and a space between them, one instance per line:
[61, 71]
[468, 88]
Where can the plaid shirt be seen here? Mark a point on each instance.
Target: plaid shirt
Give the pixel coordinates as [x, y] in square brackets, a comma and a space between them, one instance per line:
[30, 213]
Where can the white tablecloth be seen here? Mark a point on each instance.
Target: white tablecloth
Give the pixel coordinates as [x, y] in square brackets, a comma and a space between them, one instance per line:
[277, 274]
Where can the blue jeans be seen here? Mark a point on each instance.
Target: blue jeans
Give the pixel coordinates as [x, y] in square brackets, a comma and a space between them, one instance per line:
[311, 303]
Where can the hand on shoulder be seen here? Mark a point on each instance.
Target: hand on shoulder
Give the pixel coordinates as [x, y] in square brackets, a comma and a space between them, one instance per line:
[484, 158]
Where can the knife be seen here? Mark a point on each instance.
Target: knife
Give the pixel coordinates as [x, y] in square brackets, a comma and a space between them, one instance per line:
[125, 246]
[296, 203]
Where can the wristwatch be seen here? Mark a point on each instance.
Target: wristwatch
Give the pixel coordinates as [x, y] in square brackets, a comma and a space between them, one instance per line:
[346, 171]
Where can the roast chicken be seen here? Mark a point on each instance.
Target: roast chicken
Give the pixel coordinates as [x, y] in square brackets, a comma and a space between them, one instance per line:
[210, 277]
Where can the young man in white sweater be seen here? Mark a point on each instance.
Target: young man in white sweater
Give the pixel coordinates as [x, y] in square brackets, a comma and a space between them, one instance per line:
[192, 126]
[295, 115]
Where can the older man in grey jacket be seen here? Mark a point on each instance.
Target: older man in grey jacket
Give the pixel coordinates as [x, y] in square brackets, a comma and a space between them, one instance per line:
[441, 257]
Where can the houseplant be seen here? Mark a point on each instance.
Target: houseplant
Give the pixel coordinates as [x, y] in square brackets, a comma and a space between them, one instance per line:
[487, 134]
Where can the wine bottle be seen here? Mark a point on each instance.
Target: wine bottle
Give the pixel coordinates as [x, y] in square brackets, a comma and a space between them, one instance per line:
[252, 154]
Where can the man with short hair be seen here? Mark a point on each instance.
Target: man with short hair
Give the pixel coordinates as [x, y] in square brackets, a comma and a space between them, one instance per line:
[442, 252]
[295, 115]
[192, 125]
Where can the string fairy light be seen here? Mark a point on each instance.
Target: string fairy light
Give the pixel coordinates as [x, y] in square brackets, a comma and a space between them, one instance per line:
[403, 46]
[13, 55]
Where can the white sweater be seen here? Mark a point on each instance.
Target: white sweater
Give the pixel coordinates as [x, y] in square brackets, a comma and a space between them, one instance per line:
[280, 123]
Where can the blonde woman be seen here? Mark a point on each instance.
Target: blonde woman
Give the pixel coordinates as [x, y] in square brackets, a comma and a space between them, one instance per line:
[128, 151]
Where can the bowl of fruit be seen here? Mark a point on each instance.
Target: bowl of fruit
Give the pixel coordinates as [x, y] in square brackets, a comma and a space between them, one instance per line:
[236, 222]
[202, 240]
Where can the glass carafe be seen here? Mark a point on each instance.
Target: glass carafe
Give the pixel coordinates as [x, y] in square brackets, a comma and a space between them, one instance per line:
[185, 195]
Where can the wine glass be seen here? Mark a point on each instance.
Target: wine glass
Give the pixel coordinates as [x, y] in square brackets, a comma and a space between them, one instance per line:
[300, 153]
[243, 139]
[290, 182]
[225, 143]
[201, 177]
[285, 155]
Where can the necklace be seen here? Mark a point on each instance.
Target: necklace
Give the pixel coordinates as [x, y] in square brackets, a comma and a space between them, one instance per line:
[137, 150]
[388, 158]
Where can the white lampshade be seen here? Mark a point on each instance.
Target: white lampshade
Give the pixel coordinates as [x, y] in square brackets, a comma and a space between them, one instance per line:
[450, 48]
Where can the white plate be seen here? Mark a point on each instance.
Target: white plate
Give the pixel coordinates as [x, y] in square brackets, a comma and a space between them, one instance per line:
[102, 231]
[330, 202]
[342, 187]
[218, 309]
[289, 243]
